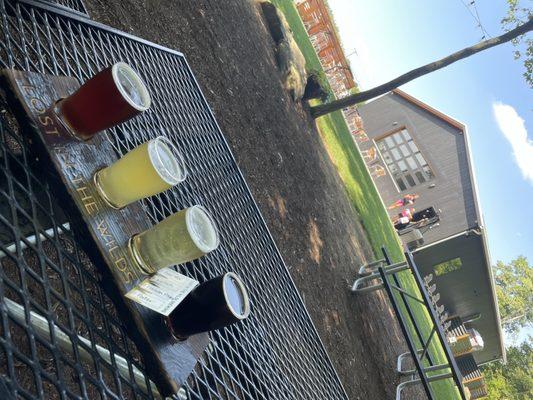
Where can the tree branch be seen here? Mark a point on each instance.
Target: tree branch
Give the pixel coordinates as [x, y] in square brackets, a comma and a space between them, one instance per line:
[323, 109]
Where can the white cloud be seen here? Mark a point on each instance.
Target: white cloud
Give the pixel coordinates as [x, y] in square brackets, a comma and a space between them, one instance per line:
[514, 129]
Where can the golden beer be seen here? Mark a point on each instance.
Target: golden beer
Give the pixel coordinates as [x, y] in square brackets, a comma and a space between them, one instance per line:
[149, 169]
[184, 236]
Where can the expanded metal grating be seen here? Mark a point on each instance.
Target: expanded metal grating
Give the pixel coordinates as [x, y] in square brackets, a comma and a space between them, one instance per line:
[275, 354]
[76, 6]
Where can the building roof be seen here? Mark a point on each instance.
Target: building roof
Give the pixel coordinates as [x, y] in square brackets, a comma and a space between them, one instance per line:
[480, 228]
[439, 114]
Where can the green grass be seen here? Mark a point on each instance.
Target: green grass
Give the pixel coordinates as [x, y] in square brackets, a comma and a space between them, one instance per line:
[444, 389]
[364, 197]
[358, 184]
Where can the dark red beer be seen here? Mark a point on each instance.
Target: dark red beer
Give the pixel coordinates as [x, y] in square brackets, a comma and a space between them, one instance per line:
[214, 304]
[112, 96]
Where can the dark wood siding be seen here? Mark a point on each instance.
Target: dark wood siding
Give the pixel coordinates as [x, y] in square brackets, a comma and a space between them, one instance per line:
[444, 148]
[467, 290]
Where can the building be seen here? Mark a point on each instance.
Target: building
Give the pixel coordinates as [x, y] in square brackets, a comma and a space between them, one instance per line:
[323, 35]
[324, 38]
[410, 147]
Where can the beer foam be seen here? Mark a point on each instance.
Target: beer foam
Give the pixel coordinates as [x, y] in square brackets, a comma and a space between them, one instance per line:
[166, 160]
[202, 229]
[131, 86]
[236, 295]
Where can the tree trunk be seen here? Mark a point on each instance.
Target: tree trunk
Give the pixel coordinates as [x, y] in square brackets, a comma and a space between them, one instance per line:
[335, 105]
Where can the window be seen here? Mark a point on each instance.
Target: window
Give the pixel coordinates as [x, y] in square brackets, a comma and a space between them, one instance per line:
[406, 134]
[397, 138]
[421, 160]
[410, 180]
[400, 184]
[406, 164]
[412, 163]
[428, 171]
[403, 166]
[420, 177]
[447, 266]
[396, 154]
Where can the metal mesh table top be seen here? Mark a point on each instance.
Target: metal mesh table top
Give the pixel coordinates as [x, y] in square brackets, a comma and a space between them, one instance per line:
[275, 354]
[75, 6]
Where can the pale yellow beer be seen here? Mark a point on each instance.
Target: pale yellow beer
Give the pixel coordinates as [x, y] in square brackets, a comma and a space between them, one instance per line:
[149, 169]
[184, 236]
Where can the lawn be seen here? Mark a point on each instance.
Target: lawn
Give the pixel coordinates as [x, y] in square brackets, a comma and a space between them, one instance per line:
[363, 194]
[358, 183]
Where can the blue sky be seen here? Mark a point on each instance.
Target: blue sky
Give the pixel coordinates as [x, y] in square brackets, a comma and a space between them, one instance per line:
[487, 92]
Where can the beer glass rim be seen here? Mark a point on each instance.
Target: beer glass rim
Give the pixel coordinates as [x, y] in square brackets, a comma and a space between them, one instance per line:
[245, 297]
[204, 247]
[167, 175]
[145, 94]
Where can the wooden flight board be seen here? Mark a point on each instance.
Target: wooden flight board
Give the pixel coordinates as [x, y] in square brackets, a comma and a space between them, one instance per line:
[104, 231]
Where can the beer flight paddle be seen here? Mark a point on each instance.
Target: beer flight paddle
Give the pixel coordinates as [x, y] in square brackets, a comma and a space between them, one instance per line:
[101, 195]
[113, 96]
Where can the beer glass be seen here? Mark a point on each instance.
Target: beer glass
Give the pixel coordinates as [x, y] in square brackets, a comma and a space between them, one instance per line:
[184, 236]
[112, 96]
[214, 304]
[150, 168]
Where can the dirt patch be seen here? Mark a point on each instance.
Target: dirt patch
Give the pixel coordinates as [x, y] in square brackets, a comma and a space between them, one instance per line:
[315, 243]
[291, 177]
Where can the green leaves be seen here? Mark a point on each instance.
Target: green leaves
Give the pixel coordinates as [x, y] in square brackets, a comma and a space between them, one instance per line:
[514, 287]
[513, 381]
[519, 14]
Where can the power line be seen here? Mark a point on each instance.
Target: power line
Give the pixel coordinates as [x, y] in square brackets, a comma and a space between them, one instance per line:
[479, 19]
[473, 11]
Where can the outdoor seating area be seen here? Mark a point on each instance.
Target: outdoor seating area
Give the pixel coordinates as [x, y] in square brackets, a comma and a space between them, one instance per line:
[446, 332]
[462, 340]
[61, 334]
[205, 200]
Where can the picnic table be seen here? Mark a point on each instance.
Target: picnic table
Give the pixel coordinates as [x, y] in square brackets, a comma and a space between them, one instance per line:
[46, 277]
[409, 307]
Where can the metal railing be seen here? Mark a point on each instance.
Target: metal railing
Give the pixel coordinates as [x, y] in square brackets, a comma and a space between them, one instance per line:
[275, 354]
[426, 371]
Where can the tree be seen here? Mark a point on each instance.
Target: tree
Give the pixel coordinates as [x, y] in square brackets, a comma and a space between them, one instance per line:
[514, 35]
[516, 14]
[514, 288]
[513, 381]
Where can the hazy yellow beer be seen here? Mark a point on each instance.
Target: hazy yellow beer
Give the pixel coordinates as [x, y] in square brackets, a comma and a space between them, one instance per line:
[149, 169]
[184, 236]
